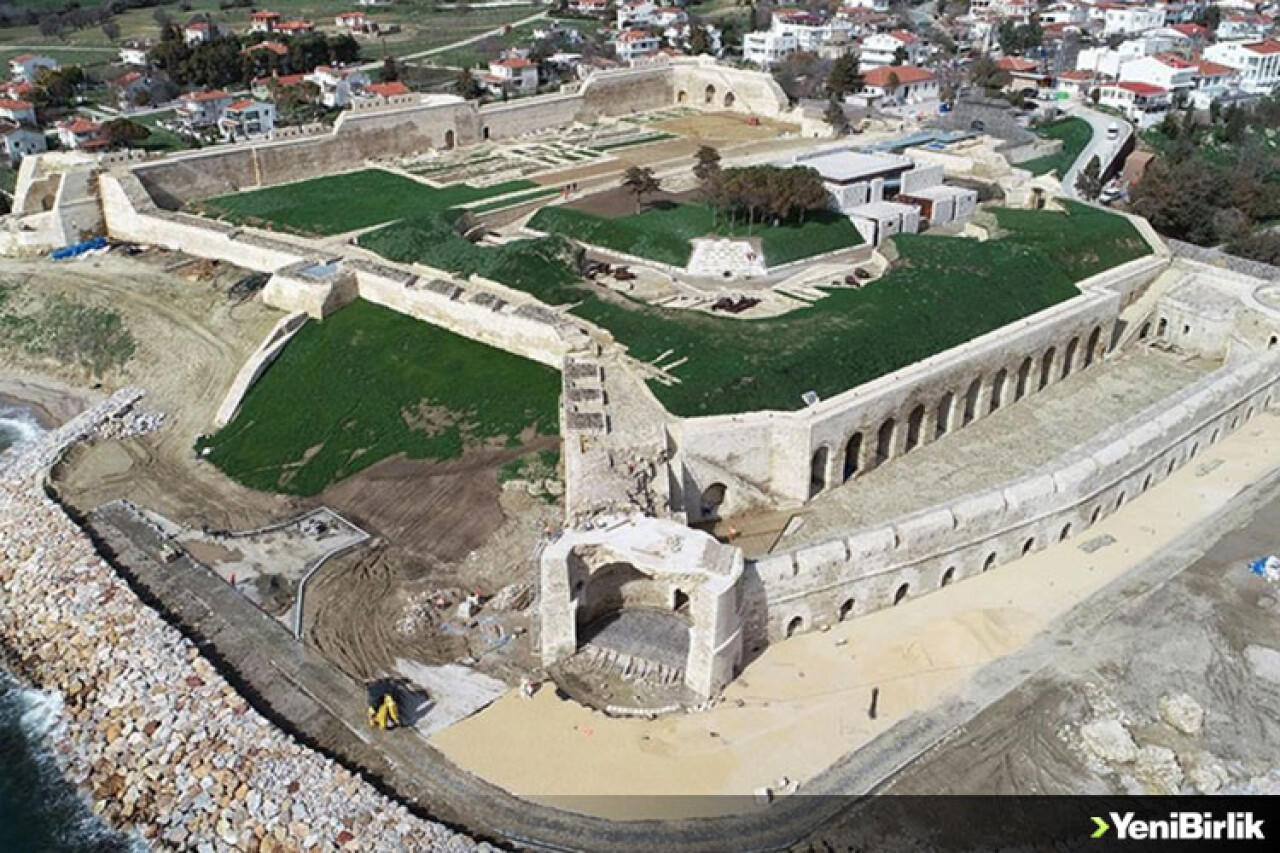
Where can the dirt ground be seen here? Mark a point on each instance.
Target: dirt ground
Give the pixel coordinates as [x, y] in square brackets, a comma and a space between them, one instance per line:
[436, 525]
[618, 202]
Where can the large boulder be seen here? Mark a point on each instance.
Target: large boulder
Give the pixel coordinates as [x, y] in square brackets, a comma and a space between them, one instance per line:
[1183, 713]
[1109, 740]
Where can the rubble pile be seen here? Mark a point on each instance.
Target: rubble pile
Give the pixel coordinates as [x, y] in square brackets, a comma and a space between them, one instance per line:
[152, 734]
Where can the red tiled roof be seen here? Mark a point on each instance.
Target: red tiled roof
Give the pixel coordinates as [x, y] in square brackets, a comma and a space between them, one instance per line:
[297, 25]
[513, 62]
[1205, 68]
[388, 90]
[131, 77]
[283, 80]
[1140, 88]
[13, 104]
[1267, 47]
[1174, 61]
[1081, 76]
[1016, 63]
[26, 57]
[274, 46]
[80, 125]
[214, 95]
[879, 77]
[264, 15]
[1190, 30]
[905, 37]
[634, 35]
[242, 104]
[198, 25]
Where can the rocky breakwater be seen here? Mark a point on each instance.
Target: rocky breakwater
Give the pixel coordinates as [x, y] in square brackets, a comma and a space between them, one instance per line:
[151, 733]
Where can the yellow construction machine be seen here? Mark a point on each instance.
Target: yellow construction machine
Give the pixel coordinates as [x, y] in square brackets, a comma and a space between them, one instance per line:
[384, 704]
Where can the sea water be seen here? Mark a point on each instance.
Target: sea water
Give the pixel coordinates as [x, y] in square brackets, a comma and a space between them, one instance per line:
[16, 425]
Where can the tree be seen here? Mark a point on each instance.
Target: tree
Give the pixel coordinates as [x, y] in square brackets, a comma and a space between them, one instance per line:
[844, 78]
[899, 56]
[984, 73]
[640, 181]
[707, 163]
[1089, 180]
[57, 88]
[122, 132]
[836, 117]
[699, 41]
[891, 84]
[111, 29]
[467, 85]
[390, 70]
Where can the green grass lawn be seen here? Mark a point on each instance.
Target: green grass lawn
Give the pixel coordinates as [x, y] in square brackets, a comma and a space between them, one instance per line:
[160, 140]
[369, 383]
[340, 203]
[662, 232]
[1075, 134]
[942, 292]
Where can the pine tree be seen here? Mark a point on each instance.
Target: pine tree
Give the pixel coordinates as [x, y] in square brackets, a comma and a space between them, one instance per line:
[1089, 181]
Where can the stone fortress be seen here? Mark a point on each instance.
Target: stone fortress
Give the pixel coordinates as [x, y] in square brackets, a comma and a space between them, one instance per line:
[638, 476]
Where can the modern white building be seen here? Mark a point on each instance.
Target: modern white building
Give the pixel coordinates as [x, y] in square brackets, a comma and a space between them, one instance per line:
[247, 119]
[135, 53]
[899, 84]
[338, 84]
[899, 47]
[767, 48]
[1141, 103]
[1213, 82]
[81, 134]
[1166, 71]
[18, 111]
[637, 44]
[17, 140]
[513, 75]
[1129, 19]
[198, 110]
[1258, 63]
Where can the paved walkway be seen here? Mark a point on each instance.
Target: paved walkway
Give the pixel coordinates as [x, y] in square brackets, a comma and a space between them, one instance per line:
[1102, 147]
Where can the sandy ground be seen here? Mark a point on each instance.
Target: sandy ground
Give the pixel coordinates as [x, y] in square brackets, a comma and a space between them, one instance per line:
[52, 402]
[803, 704]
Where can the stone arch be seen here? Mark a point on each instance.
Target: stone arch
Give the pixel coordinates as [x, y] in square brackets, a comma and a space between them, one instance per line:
[1120, 499]
[712, 499]
[846, 609]
[610, 589]
[818, 470]
[915, 422]
[729, 100]
[1065, 532]
[947, 577]
[900, 595]
[943, 417]
[449, 139]
[709, 94]
[971, 402]
[1091, 349]
[1213, 439]
[852, 452]
[1173, 463]
[484, 132]
[1248, 413]
[1097, 514]
[1028, 546]
[884, 441]
[795, 626]
[1195, 448]
[1146, 481]
[1162, 328]
[1273, 342]
[682, 97]
[1024, 378]
[990, 562]
[1070, 358]
[997, 388]
[1046, 366]
[1145, 332]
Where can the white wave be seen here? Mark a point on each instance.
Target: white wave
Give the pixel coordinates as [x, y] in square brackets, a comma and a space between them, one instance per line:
[41, 713]
[17, 425]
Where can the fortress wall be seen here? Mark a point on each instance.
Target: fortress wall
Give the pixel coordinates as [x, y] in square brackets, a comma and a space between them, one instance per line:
[267, 352]
[534, 115]
[705, 84]
[625, 90]
[504, 328]
[795, 455]
[866, 570]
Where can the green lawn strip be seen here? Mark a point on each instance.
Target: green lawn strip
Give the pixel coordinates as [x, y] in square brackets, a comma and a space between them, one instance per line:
[942, 292]
[341, 203]
[627, 143]
[662, 232]
[1075, 134]
[368, 383]
[512, 200]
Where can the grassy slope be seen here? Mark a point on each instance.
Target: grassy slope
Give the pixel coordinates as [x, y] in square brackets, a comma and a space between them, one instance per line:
[942, 292]
[342, 394]
[1074, 133]
[341, 203]
[662, 233]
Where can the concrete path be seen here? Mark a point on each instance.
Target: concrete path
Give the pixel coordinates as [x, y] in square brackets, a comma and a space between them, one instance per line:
[497, 31]
[1102, 147]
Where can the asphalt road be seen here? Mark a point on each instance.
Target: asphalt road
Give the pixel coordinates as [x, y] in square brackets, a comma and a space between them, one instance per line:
[1105, 149]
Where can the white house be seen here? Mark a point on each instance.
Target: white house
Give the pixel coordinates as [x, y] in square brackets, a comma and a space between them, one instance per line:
[1129, 20]
[811, 32]
[198, 110]
[884, 49]
[873, 5]
[135, 53]
[355, 22]
[1076, 84]
[1258, 63]
[28, 65]
[1141, 103]
[199, 32]
[1242, 27]
[264, 21]
[590, 7]
[81, 134]
[18, 111]
[18, 140]
[635, 44]
[899, 84]
[513, 75]
[1213, 82]
[1165, 70]
[247, 119]
[767, 48]
[337, 84]
[678, 36]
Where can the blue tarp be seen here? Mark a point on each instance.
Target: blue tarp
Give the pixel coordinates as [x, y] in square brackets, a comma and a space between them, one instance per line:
[78, 248]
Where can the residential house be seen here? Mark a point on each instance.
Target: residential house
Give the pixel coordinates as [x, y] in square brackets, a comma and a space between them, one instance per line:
[247, 119]
[28, 65]
[1129, 20]
[17, 140]
[1076, 84]
[279, 50]
[636, 44]
[634, 13]
[897, 47]
[1023, 73]
[1258, 63]
[767, 48]
[1166, 70]
[899, 84]
[199, 31]
[512, 75]
[678, 37]
[1242, 27]
[135, 53]
[132, 89]
[270, 87]
[1141, 103]
[355, 22]
[81, 134]
[811, 31]
[338, 84]
[1213, 82]
[1064, 14]
[264, 21]
[599, 8]
[18, 111]
[874, 5]
[394, 89]
[296, 28]
[199, 110]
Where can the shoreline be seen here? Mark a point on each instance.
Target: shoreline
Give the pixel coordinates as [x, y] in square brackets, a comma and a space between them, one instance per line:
[51, 402]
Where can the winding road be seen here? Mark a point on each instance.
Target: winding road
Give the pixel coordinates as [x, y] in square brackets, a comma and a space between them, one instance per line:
[1102, 147]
